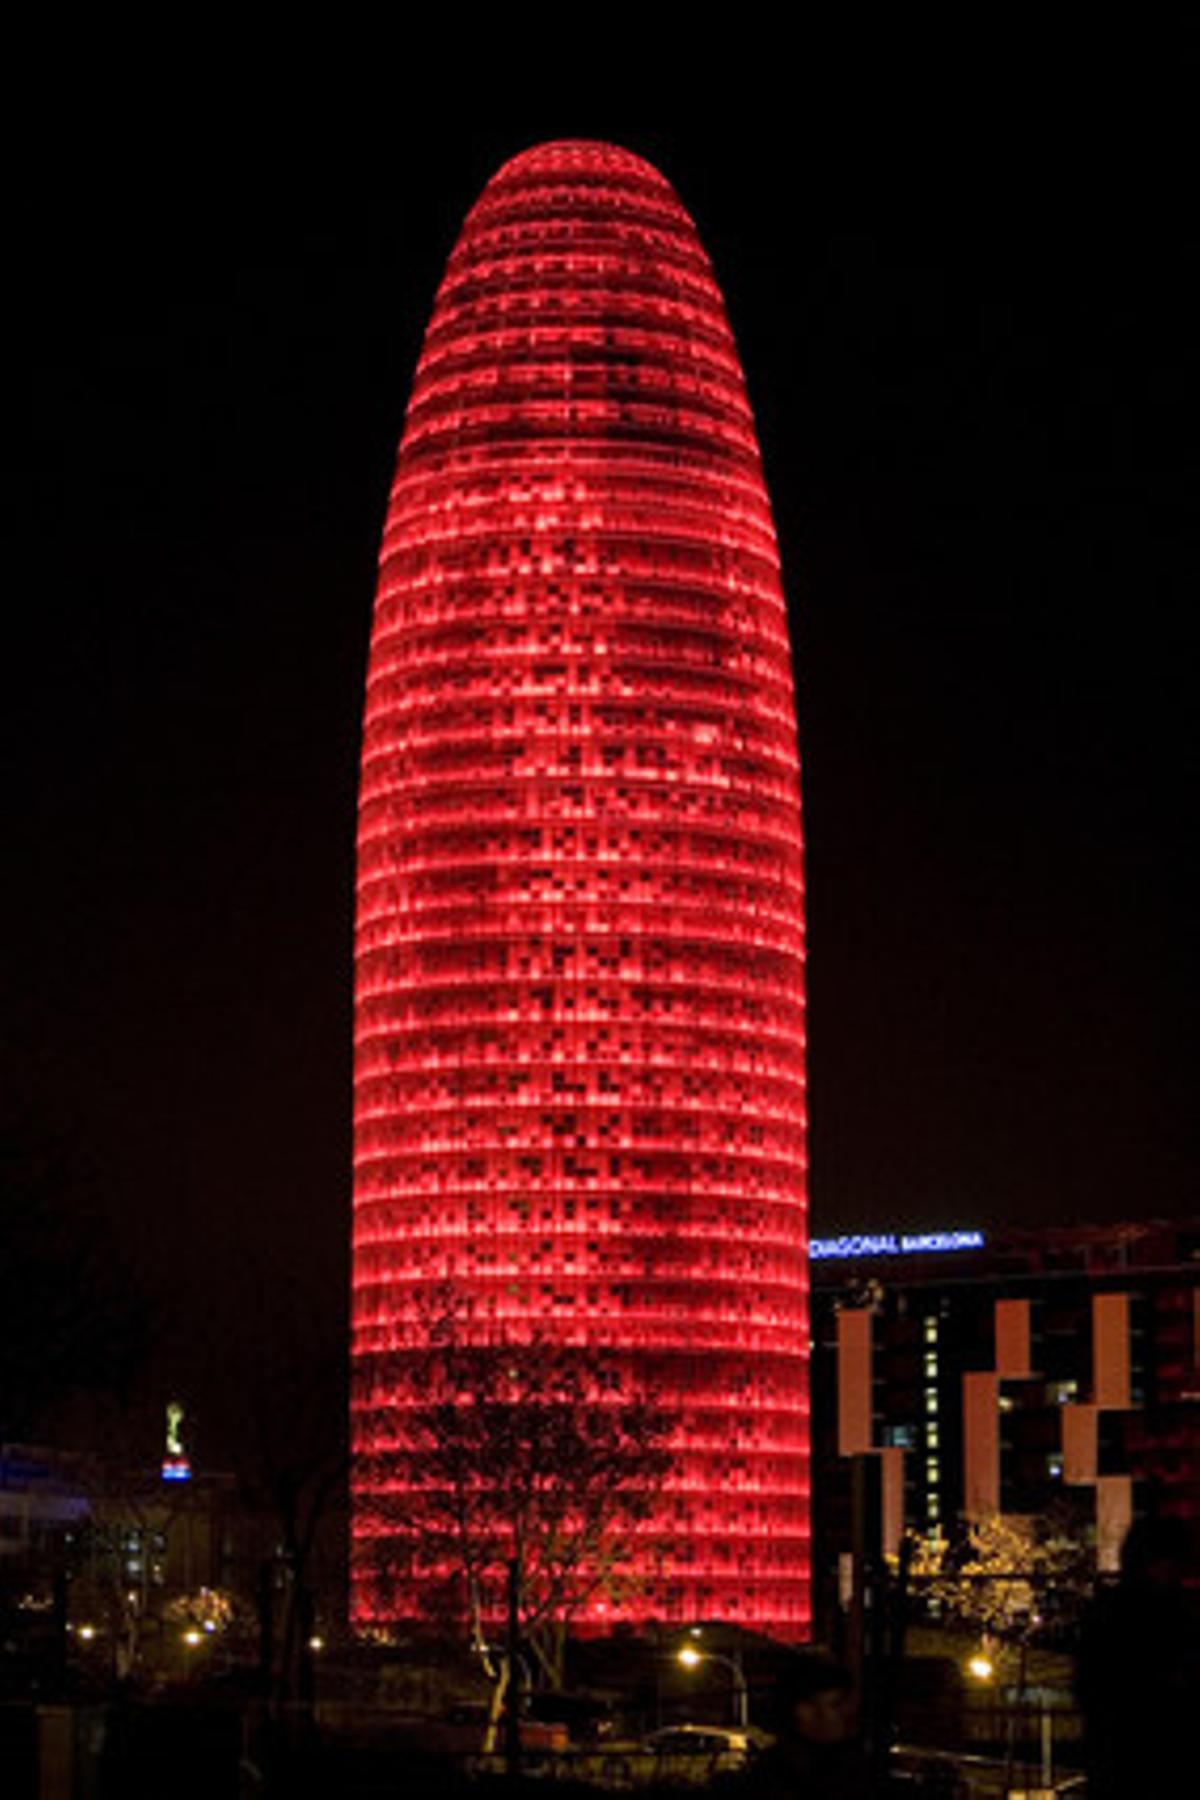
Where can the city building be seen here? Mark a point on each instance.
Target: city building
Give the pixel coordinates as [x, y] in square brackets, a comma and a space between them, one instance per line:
[106, 1558]
[44, 1495]
[1012, 1372]
[579, 1036]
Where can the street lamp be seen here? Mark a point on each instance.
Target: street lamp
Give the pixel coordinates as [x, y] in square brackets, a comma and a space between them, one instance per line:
[691, 1658]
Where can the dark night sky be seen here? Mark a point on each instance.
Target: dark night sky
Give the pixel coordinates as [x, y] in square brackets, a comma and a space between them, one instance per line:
[966, 374]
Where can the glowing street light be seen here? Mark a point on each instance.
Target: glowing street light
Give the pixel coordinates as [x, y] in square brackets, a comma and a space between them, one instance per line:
[193, 1637]
[691, 1658]
[980, 1666]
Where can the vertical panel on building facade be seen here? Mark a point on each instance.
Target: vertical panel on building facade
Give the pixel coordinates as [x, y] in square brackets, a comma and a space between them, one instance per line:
[981, 1443]
[1080, 1444]
[1111, 1350]
[1114, 1516]
[892, 1479]
[1013, 1340]
[579, 1029]
[854, 1375]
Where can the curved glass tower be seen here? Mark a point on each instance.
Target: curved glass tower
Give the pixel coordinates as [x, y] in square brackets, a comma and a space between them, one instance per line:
[579, 1031]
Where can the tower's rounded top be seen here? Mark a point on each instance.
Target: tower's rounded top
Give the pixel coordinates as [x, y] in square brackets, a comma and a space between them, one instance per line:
[578, 305]
[565, 157]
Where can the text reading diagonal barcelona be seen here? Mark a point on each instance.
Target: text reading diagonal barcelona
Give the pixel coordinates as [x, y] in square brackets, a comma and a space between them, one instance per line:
[579, 1082]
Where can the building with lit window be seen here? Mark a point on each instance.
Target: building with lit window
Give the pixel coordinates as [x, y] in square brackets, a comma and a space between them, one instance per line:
[98, 1554]
[579, 1024]
[1011, 1373]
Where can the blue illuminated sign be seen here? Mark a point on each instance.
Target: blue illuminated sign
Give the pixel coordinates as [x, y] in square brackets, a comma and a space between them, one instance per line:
[895, 1243]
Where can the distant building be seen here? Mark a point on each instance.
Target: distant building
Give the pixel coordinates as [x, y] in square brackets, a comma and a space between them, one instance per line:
[82, 1549]
[1010, 1373]
[169, 1538]
[43, 1498]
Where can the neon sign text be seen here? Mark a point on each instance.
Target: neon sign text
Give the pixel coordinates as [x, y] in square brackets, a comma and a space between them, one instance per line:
[892, 1243]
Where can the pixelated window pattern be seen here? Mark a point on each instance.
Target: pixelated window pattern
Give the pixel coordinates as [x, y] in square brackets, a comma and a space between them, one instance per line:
[579, 1028]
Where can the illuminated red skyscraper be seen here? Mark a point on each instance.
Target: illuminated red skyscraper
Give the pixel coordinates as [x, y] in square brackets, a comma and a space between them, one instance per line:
[579, 1082]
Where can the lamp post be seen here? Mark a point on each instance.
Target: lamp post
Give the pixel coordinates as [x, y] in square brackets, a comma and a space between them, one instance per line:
[691, 1658]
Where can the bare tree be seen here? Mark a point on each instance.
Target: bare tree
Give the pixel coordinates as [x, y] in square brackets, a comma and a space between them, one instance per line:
[523, 1461]
[284, 1421]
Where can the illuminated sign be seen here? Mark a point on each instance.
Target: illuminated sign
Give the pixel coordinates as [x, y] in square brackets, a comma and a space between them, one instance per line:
[175, 1464]
[895, 1243]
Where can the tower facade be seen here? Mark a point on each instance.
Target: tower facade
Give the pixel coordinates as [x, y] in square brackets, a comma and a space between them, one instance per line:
[579, 1026]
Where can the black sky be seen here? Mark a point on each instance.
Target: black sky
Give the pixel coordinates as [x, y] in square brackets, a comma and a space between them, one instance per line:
[969, 377]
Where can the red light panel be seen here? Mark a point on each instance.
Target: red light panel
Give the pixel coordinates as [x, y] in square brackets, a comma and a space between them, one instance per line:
[579, 1036]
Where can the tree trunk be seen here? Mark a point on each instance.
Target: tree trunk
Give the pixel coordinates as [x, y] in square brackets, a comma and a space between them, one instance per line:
[491, 1736]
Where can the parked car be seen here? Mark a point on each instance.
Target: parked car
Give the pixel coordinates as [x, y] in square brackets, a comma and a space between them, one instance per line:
[723, 1747]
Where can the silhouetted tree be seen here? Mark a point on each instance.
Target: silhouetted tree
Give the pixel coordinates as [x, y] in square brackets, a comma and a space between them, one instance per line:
[280, 1350]
[528, 1455]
